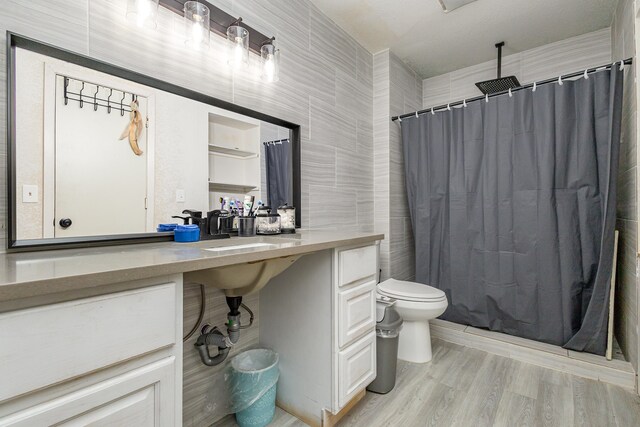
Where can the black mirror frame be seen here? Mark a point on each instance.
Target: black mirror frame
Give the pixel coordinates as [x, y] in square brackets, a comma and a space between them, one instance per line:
[13, 244]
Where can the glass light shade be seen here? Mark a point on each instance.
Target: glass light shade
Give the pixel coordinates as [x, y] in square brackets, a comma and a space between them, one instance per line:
[270, 63]
[197, 21]
[238, 39]
[144, 13]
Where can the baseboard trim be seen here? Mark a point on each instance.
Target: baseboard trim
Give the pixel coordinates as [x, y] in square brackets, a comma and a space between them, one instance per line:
[616, 372]
[330, 420]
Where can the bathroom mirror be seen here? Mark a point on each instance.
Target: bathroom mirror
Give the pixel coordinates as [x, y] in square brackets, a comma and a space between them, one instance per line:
[102, 155]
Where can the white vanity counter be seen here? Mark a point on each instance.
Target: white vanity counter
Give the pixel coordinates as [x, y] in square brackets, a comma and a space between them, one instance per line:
[30, 274]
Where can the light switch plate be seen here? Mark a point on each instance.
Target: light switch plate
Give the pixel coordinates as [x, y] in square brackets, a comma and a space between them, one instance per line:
[179, 196]
[29, 194]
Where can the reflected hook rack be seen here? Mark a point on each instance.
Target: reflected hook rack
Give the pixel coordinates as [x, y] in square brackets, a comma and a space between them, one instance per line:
[81, 98]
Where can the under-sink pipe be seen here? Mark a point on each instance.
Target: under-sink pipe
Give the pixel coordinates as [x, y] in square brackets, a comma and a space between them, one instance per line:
[215, 337]
[203, 300]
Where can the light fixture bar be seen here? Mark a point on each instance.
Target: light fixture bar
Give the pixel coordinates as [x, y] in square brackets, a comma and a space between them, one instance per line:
[220, 21]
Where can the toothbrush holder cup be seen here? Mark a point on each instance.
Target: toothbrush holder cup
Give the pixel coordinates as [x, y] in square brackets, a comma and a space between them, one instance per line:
[246, 226]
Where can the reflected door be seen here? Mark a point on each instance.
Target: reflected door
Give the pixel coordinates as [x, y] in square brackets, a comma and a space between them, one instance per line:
[100, 183]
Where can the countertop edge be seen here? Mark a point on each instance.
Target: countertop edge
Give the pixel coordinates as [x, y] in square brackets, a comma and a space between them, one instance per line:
[33, 288]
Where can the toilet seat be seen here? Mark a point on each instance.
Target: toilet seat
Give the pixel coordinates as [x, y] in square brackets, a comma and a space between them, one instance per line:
[410, 291]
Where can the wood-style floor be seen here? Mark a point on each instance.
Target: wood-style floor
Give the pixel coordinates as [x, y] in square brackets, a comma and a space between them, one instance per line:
[467, 387]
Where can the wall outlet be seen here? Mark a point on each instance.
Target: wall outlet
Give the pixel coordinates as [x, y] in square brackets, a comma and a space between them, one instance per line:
[179, 196]
[29, 194]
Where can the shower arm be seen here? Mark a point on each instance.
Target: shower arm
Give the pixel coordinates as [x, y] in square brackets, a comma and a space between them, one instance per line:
[215, 337]
[499, 46]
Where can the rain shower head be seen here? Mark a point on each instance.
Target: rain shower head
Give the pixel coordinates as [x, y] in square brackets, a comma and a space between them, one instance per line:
[499, 84]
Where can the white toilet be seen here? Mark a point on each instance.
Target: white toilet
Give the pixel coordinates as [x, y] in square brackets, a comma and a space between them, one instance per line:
[417, 304]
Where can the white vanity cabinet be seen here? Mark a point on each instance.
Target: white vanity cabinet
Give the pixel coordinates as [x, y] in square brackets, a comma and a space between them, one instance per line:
[111, 359]
[319, 315]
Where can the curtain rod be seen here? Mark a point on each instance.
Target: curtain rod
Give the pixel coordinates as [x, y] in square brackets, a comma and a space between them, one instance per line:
[628, 61]
[277, 141]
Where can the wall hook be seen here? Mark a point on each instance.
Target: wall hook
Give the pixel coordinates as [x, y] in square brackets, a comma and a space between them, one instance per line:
[95, 98]
[121, 106]
[109, 101]
[81, 89]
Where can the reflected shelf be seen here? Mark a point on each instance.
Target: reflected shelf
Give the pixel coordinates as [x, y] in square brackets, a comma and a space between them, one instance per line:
[233, 188]
[218, 149]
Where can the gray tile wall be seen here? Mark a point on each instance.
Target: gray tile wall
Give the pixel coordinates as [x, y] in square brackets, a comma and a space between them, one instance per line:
[545, 62]
[623, 46]
[381, 127]
[405, 96]
[397, 90]
[326, 85]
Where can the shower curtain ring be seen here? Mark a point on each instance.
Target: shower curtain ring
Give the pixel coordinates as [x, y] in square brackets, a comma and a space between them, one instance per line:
[416, 114]
[432, 112]
[399, 119]
[560, 80]
[486, 98]
[464, 103]
[448, 107]
[622, 65]
[535, 86]
[510, 94]
[586, 75]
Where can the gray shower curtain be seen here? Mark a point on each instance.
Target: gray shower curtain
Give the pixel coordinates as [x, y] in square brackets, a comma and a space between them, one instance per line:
[278, 165]
[513, 208]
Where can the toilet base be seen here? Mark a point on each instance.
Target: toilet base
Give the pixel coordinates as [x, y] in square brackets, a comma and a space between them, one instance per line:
[415, 342]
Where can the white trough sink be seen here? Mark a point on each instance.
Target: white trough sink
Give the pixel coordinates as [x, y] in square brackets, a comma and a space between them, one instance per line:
[239, 247]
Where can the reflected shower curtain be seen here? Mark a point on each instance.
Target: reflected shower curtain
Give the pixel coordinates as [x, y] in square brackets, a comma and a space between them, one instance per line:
[278, 164]
[513, 208]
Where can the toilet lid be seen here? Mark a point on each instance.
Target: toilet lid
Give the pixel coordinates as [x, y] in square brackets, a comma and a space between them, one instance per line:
[410, 291]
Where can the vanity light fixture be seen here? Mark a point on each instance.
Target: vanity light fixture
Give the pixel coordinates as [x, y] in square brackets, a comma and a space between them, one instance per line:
[201, 17]
[238, 39]
[197, 22]
[270, 61]
[143, 13]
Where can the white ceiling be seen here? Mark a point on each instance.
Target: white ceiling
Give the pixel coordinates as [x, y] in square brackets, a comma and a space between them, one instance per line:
[433, 42]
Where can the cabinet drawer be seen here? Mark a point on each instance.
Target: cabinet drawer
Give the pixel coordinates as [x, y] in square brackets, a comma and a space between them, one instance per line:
[81, 336]
[142, 397]
[356, 312]
[356, 264]
[356, 368]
